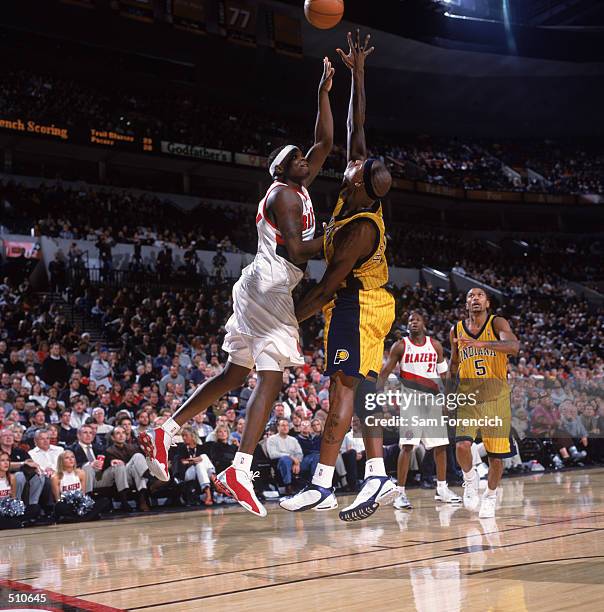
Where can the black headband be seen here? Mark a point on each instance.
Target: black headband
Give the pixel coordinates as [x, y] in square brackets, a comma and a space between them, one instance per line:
[367, 178]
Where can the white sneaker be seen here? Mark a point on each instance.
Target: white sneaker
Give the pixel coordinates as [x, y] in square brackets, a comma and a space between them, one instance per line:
[471, 499]
[311, 497]
[239, 484]
[444, 494]
[156, 445]
[487, 507]
[376, 490]
[402, 502]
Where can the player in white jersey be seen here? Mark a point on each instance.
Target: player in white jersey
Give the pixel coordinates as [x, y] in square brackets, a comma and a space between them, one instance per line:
[422, 367]
[263, 330]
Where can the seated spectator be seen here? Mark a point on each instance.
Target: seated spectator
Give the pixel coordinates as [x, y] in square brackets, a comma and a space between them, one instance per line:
[220, 452]
[202, 426]
[23, 468]
[286, 451]
[191, 463]
[102, 428]
[246, 393]
[100, 369]
[78, 413]
[126, 423]
[122, 454]
[235, 437]
[354, 455]
[310, 443]
[45, 454]
[277, 414]
[38, 421]
[67, 433]
[143, 422]
[221, 420]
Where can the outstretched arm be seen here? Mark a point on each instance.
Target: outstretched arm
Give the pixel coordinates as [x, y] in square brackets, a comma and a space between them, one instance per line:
[318, 153]
[355, 60]
[353, 242]
[285, 208]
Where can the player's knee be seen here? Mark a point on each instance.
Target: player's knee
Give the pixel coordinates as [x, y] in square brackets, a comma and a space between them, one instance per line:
[464, 445]
[363, 401]
[407, 449]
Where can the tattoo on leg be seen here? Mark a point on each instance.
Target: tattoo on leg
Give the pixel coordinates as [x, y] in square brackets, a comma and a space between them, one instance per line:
[332, 423]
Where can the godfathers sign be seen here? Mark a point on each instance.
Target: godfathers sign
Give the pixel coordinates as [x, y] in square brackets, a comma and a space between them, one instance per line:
[185, 150]
[32, 127]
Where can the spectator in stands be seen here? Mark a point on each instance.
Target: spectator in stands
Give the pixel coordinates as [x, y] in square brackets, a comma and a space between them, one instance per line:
[123, 454]
[353, 454]
[78, 413]
[286, 451]
[23, 468]
[220, 452]
[55, 368]
[310, 443]
[58, 273]
[246, 393]
[67, 433]
[45, 454]
[173, 377]
[38, 421]
[191, 463]
[102, 428]
[100, 369]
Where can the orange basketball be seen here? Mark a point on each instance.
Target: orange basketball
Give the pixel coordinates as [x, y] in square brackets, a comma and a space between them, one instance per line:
[324, 14]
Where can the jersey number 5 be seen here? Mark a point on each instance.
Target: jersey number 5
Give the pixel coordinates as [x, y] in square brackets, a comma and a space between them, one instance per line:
[479, 367]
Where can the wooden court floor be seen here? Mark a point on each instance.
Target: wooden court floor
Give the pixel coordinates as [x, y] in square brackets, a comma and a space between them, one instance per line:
[544, 551]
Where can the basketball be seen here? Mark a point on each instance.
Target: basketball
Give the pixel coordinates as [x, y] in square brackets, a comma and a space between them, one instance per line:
[324, 14]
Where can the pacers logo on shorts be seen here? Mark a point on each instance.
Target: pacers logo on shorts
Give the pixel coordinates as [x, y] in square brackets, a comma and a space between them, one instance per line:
[341, 355]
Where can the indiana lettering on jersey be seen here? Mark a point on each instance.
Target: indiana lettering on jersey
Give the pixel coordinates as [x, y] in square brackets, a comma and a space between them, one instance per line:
[472, 351]
[419, 357]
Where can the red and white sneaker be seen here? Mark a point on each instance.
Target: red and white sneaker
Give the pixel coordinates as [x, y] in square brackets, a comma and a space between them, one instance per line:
[239, 485]
[155, 447]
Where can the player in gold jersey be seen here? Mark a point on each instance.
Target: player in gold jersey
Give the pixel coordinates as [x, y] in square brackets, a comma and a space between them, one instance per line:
[358, 310]
[480, 346]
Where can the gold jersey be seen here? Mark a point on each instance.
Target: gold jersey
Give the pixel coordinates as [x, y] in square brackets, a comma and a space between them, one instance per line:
[481, 370]
[371, 272]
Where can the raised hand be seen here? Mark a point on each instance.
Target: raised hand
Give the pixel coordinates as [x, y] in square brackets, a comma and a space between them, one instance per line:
[356, 53]
[327, 77]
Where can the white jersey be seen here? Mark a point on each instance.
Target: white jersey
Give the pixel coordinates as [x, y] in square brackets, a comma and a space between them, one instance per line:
[5, 488]
[263, 330]
[418, 366]
[70, 482]
[271, 267]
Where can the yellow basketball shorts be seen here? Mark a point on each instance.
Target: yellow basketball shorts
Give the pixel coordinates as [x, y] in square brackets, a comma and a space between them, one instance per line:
[493, 420]
[356, 324]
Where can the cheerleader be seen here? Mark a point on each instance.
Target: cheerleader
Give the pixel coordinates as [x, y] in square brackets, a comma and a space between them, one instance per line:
[69, 479]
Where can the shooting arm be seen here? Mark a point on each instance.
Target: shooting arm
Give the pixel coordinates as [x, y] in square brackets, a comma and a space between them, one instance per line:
[323, 144]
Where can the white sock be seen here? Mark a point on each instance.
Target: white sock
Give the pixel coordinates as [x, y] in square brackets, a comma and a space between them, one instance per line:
[243, 461]
[171, 427]
[323, 476]
[470, 475]
[441, 484]
[401, 490]
[490, 492]
[375, 467]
